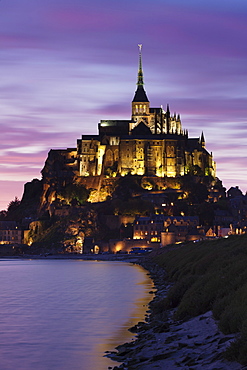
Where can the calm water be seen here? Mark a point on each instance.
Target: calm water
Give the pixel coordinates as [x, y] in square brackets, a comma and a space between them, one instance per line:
[64, 314]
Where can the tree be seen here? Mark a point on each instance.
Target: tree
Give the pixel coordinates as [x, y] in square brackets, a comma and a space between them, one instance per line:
[127, 186]
[196, 191]
[13, 205]
[74, 192]
[133, 207]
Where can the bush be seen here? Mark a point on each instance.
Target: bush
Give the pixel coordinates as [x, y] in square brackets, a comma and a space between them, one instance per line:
[74, 192]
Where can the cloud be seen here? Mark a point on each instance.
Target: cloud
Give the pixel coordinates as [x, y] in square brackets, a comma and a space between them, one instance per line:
[67, 65]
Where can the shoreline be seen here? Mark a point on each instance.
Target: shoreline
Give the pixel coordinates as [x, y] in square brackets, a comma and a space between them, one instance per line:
[84, 257]
[162, 343]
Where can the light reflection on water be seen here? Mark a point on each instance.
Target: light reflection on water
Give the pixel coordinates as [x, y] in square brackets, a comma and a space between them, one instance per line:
[64, 314]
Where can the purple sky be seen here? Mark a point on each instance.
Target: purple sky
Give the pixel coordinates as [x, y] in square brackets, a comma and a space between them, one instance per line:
[66, 64]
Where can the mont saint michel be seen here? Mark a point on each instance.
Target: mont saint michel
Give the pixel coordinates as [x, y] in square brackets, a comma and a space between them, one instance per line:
[140, 179]
[152, 143]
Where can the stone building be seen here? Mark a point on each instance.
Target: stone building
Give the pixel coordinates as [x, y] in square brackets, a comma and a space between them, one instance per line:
[10, 233]
[152, 142]
[151, 227]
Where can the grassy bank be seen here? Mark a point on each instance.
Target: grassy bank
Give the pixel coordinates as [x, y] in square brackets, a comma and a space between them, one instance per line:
[211, 275]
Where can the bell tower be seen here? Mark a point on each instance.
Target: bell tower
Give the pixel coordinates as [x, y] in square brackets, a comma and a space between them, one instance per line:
[140, 102]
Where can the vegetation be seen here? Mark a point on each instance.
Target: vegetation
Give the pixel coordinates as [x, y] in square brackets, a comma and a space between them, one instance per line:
[211, 275]
[54, 233]
[13, 205]
[74, 192]
[132, 207]
[49, 237]
[197, 192]
[127, 186]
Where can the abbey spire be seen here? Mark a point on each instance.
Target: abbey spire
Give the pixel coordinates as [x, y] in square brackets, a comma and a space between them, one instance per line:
[140, 94]
[140, 73]
[140, 102]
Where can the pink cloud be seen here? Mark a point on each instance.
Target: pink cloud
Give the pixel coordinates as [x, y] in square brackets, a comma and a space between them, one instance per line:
[66, 65]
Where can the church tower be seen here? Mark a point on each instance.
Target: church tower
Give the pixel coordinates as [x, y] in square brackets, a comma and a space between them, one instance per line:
[140, 102]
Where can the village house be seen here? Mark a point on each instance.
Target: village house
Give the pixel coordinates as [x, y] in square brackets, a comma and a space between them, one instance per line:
[10, 233]
[151, 227]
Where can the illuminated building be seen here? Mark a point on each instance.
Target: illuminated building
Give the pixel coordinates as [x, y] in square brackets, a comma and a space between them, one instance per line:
[152, 142]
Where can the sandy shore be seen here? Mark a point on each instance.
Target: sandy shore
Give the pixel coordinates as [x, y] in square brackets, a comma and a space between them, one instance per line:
[164, 344]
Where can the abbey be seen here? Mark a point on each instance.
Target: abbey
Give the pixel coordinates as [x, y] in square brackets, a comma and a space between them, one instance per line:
[152, 142]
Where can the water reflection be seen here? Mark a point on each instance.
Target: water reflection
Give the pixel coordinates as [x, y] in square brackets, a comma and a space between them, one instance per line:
[66, 314]
[122, 334]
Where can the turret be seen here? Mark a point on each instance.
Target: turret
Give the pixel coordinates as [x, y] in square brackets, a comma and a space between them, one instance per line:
[155, 123]
[178, 124]
[162, 130]
[202, 141]
[168, 119]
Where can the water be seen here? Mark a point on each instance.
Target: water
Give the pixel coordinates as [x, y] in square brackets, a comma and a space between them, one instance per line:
[64, 314]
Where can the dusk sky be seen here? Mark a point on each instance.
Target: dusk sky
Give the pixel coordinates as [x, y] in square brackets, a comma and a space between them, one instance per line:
[67, 64]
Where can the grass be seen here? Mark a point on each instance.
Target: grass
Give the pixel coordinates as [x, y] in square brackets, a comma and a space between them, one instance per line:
[211, 275]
